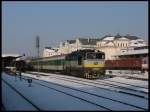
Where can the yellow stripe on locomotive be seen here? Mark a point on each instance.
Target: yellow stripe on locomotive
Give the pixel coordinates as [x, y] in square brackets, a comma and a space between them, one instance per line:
[94, 66]
[94, 63]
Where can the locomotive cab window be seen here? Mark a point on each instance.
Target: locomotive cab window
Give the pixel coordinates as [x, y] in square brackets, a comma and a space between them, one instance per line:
[95, 56]
[79, 60]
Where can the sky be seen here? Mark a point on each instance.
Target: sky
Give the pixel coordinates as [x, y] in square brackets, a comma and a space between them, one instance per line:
[58, 21]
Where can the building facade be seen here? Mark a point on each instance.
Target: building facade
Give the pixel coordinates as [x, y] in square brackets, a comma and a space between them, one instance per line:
[111, 45]
[79, 43]
[48, 52]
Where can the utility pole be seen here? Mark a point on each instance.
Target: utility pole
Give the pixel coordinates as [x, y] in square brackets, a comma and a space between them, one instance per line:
[38, 46]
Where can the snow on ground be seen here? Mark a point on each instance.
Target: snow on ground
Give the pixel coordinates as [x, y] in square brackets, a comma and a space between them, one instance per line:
[49, 99]
[123, 83]
[11, 97]
[77, 78]
[130, 81]
[110, 94]
[128, 73]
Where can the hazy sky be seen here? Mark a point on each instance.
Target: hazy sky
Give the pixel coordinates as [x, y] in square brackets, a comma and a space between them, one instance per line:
[59, 21]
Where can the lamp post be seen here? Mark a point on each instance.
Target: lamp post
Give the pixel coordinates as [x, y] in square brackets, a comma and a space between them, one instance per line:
[38, 46]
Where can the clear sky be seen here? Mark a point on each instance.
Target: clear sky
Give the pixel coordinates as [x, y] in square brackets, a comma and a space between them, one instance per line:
[58, 21]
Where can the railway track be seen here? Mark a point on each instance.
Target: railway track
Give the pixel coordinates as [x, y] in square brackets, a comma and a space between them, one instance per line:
[137, 89]
[99, 96]
[110, 85]
[104, 81]
[29, 101]
[55, 90]
[126, 84]
[122, 89]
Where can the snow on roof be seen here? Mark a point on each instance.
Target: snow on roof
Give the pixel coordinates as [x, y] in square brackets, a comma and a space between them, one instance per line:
[109, 38]
[140, 39]
[123, 38]
[10, 55]
[136, 45]
[50, 50]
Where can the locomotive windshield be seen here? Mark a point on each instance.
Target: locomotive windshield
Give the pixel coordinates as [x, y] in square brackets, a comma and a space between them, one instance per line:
[95, 56]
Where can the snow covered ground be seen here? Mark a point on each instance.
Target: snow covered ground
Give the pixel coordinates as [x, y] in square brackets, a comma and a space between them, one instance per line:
[141, 85]
[128, 73]
[129, 81]
[14, 101]
[67, 95]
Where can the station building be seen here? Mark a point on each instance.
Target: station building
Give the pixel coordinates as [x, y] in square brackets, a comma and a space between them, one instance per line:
[113, 45]
[109, 44]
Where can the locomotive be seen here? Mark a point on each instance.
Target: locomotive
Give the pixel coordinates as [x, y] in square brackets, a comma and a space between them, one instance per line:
[85, 63]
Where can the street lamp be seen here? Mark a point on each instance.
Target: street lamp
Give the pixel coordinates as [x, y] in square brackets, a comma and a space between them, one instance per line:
[38, 46]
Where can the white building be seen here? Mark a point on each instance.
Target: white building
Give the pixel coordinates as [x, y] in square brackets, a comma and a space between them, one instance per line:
[111, 45]
[79, 43]
[48, 52]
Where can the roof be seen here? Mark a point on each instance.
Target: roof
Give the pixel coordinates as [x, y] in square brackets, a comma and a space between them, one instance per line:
[132, 37]
[10, 55]
[71, 41]
[88, 41]
[110, 37]
[48, 47]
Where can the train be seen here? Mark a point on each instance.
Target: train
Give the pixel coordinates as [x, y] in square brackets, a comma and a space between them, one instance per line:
[19, 65]
[131, 65]
[126, 63]
[85, 63]
[22, 65]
